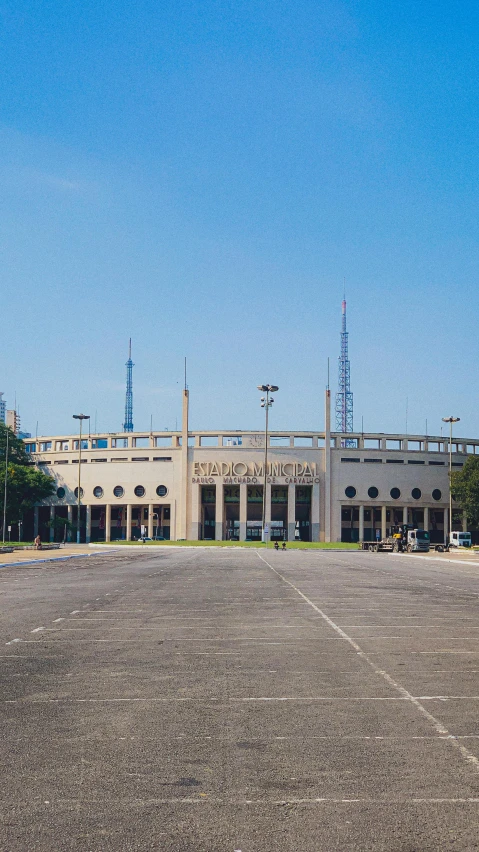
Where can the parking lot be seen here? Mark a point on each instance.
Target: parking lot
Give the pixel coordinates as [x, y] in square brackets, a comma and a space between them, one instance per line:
[214, 700]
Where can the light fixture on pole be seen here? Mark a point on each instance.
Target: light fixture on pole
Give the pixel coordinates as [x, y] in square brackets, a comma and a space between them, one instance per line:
[450, 420]
[266, 403]
[81, 418]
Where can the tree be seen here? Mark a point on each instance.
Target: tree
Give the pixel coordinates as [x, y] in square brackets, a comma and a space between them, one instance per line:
[465, 489]
[26, 485]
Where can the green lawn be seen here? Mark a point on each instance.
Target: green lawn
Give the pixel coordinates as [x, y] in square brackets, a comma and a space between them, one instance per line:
[292, 545]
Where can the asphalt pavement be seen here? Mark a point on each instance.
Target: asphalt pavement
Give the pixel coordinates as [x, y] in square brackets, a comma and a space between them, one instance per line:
[203, 700]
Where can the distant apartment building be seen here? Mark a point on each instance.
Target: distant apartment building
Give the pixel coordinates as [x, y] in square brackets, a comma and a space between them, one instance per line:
[13, 420]
[3, 408]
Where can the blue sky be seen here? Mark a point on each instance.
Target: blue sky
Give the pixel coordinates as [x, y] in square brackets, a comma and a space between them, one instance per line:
[203, 178]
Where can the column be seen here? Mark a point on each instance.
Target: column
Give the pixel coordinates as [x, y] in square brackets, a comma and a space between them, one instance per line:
[383, 521]
[361, 523]
[195, 523]
[35, 521]
[70, 521]
[243, 510]
[108, 522]
[464, 521]
[219, 513]
[404, 515]
[315, 512]
[426, 518]
[446, 525]
[150, 520]
[291, 511]
[88, 525]
[128, 521]
[52, 528]
[173, 532]
[267, 509]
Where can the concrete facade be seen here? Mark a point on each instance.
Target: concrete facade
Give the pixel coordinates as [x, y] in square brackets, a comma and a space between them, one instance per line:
[194, 484]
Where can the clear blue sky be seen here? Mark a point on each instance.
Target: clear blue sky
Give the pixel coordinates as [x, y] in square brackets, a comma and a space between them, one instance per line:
[203, 176]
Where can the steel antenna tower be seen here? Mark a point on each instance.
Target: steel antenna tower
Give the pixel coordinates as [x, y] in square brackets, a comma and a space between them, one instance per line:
[128, 424]
[344, 397]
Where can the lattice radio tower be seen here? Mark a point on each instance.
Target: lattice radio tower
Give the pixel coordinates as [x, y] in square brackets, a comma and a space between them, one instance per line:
[128, 424]
[344, 397]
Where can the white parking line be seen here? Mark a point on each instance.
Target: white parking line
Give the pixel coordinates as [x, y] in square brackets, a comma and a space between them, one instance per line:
[437, 725]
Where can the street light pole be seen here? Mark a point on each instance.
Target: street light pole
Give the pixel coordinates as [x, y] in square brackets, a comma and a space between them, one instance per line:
[450, 420]
[5, 487]
[266, 403]
[81, 418]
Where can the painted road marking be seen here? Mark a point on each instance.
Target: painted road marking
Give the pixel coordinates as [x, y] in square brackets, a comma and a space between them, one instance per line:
[437, 725]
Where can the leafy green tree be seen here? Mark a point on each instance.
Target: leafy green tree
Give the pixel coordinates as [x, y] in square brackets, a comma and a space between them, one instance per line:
[465, 489]
[26, 485]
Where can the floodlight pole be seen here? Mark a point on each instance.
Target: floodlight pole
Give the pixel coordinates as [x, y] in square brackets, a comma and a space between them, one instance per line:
[266, 403]
[81, 418]
[450, 420]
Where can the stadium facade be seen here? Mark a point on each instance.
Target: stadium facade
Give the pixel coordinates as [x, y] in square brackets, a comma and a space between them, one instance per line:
[193, 484]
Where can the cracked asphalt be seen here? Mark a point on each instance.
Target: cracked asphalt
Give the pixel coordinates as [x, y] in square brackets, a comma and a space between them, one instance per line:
[223, 700]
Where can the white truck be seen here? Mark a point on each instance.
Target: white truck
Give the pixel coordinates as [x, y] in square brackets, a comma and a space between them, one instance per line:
[460, 539]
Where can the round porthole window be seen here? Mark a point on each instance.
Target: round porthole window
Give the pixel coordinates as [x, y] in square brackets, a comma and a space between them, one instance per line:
[373, 492]
[140, 491]
[98, 491]
[76, 493]
[118, 491]
[162, 491]
[436, 494]
[416, 493]
[350, 491]
[395, 493]
[60, 493]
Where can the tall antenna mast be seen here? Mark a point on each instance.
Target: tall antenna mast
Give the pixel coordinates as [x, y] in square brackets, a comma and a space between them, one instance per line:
[344, 397]
[128, 424]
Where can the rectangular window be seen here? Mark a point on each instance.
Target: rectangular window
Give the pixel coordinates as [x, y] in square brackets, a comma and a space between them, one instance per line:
[437, 463]
[45, 446]
[119, 443]
[83, 461]
[30, 448]
[415, 461]
[232, 441]
[84, 444]
[141, 442]
[61, 446]
[140, 458]
[372, 444]
[373, 461]
[162, 458]
[350, 460]
[44, 462]
[458, 464]
[122, 458]
[99, 444]
[394, 461]
[98, 460]
[303, 442]
[209, 441]
[60, 461]
[163, 441]
[279, 441]
[471, 448]
[414, 445]
[191, 441]
[393, 444]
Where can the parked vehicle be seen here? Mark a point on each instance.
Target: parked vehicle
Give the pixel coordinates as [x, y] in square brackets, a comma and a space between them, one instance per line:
[402, 539]
[460, 539]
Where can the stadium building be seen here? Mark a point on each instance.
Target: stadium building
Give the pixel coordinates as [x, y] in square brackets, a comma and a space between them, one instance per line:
[191, 484]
